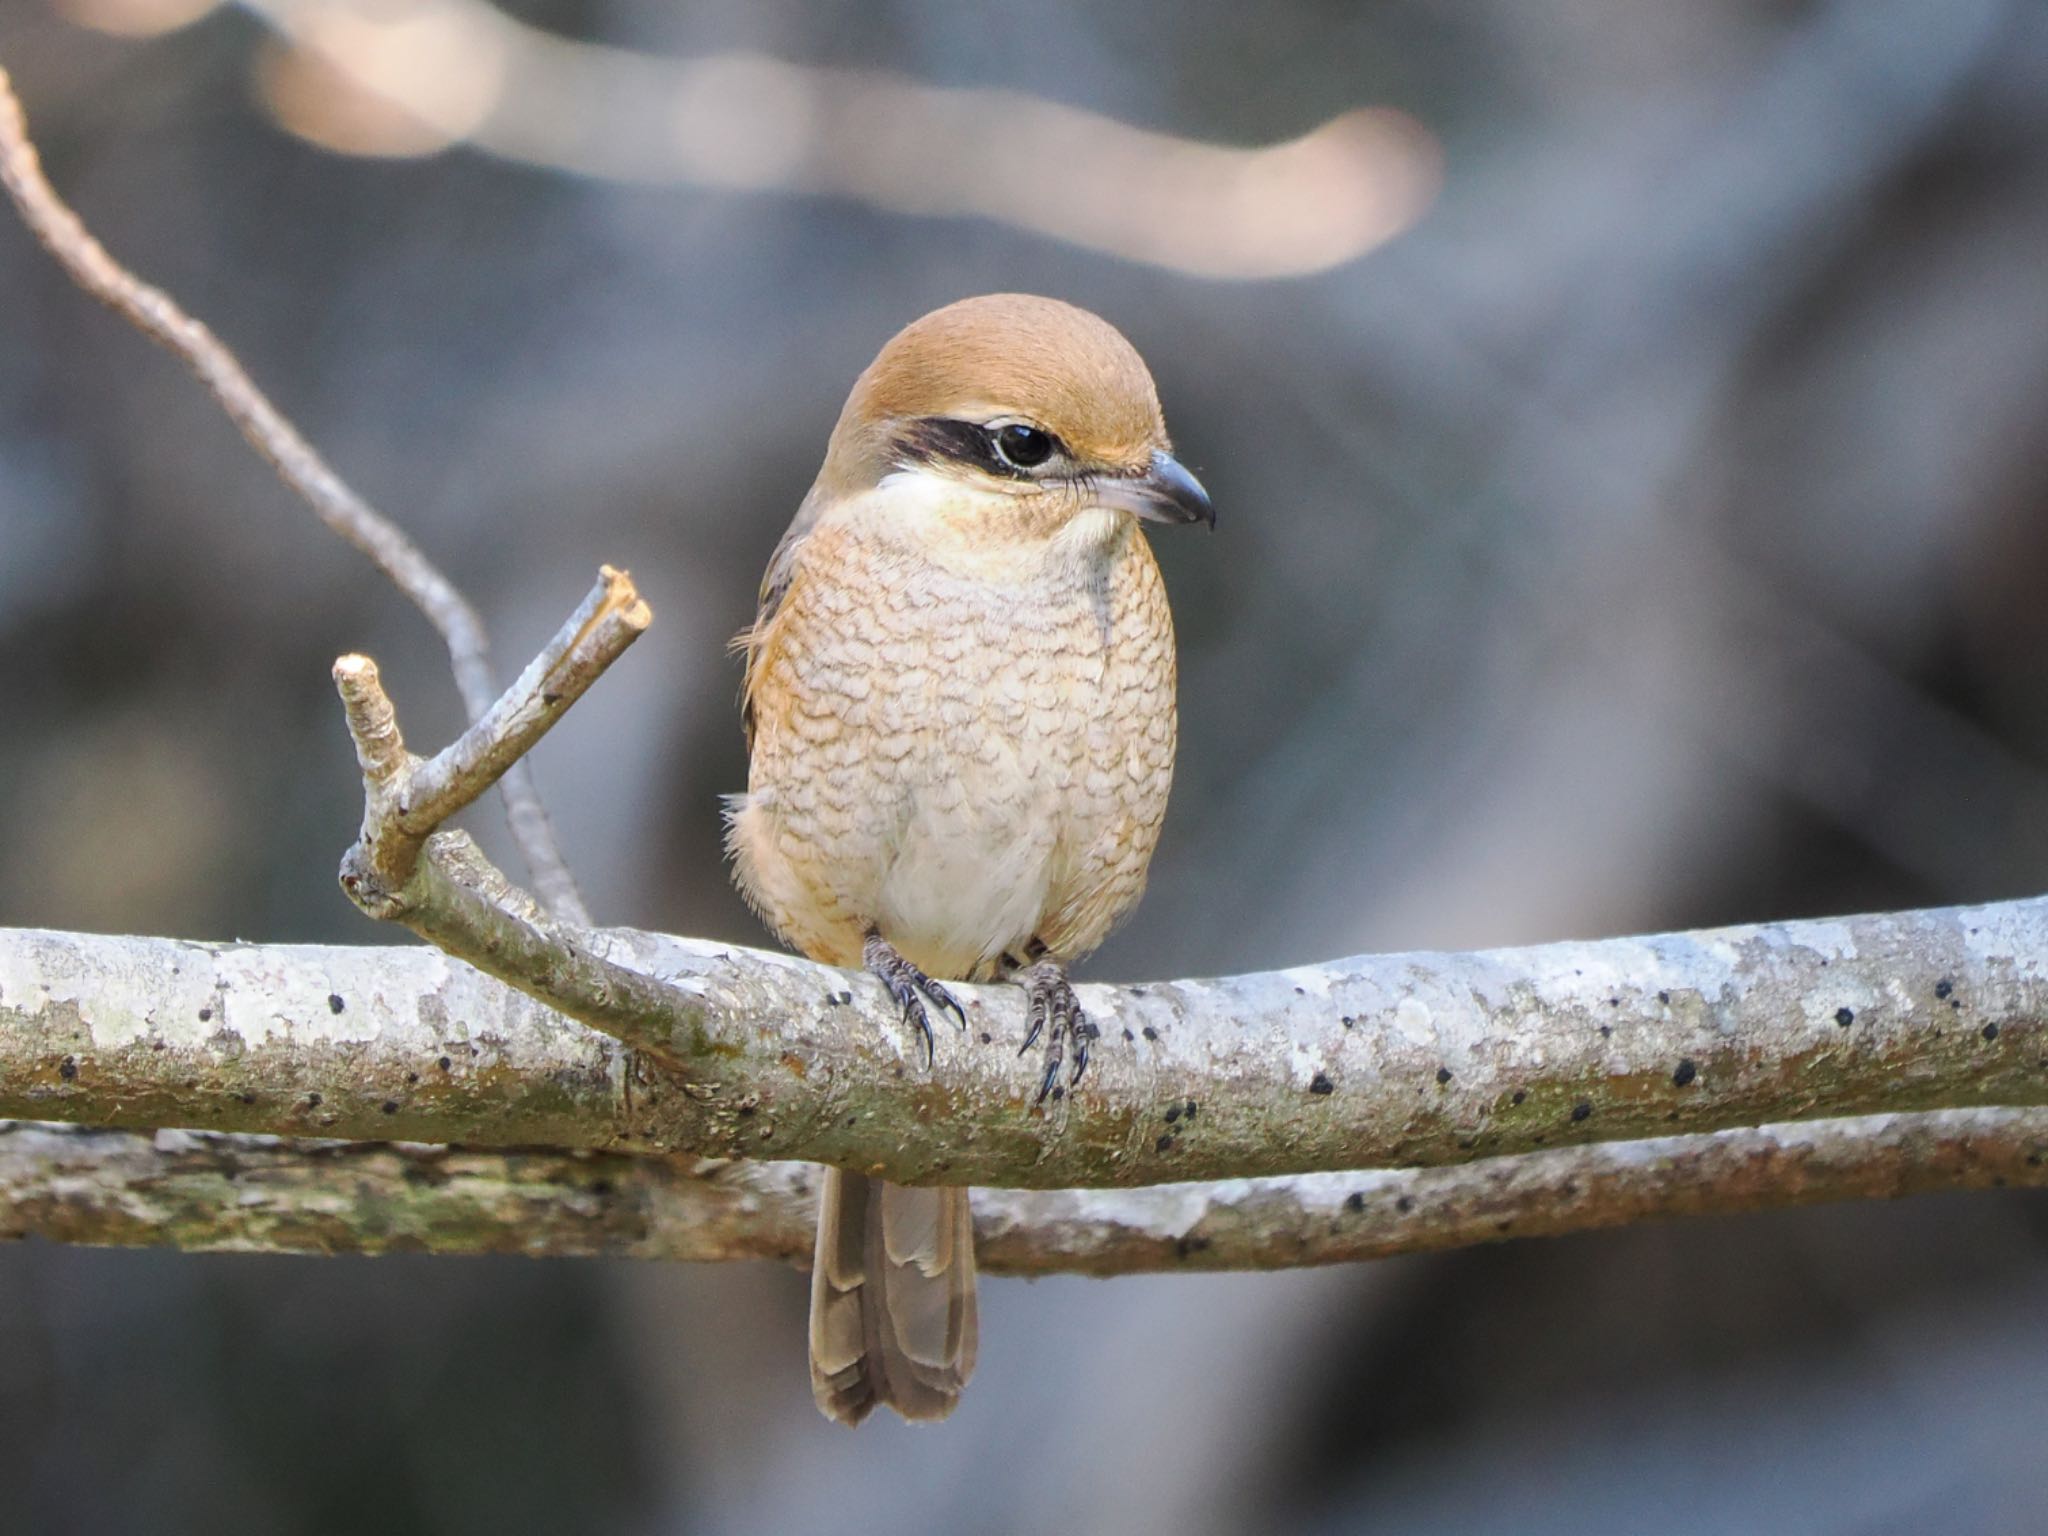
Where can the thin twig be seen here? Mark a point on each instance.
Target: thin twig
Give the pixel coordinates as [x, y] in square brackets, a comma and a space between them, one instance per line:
[297, 463]
[260, 1194]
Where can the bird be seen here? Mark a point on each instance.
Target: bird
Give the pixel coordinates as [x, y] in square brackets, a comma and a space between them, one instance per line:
[959, 704]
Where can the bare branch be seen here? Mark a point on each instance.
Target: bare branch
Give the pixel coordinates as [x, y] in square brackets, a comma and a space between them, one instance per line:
[1381, 1061]
[298, 464]
[259, 1194]
[404, 799]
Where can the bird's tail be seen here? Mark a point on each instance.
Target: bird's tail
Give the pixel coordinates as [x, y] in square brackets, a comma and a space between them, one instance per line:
[892, 1299]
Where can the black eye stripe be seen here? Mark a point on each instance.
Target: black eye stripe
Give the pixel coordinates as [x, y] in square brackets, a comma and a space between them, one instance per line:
[932, 438]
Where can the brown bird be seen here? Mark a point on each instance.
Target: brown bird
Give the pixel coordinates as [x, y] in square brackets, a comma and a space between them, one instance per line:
[960, 714]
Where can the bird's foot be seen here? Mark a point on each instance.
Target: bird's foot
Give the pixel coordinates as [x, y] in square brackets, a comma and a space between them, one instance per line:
[910, 987]
[1055, 1012]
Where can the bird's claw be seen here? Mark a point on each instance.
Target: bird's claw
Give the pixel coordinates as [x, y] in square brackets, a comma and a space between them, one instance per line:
[1052, 1010]
[910, 987]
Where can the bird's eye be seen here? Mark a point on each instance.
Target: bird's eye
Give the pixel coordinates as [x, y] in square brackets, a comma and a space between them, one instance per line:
[1022, 447]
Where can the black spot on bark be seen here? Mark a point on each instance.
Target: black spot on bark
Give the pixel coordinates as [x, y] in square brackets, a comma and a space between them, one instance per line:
[1518, 1096]
[1172, 1114]
[445, 1064]
[1990, 1031]
[206, 1015]
[334, 1002]
[312, 1101]
[1943, 988]
[1405, 1203]
[1151, 1033]
[1355, 1202]
[68, 1068]
[1321, 1084]
[389, 1106]
[1348, 1020]
[1443, 1075]
[1129, 1037]
[985, 1037]
[1686, 1073]
[1664, 998]
[1606, 1031]
[1845, 1017]
[1163, 1144]
[1192, 1107]
[1581, 1111]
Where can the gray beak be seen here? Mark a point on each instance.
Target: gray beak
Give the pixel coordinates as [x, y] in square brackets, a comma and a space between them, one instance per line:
[1165, 493]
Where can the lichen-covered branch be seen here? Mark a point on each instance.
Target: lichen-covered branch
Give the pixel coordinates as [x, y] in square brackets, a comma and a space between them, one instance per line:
[158, 316]
[258, 1194]
[1376, 1061]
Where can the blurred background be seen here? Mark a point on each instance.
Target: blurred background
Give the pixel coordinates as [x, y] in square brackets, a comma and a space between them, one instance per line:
[1630, 431]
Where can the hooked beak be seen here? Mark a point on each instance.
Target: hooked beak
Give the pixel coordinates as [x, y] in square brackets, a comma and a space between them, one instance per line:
[1165, 493]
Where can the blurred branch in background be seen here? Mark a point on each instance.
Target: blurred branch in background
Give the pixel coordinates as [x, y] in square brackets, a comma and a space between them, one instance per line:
[298, 464]
[414, 77]
[203, 1192]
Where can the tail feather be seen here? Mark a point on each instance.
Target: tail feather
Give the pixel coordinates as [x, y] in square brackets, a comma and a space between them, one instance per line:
[893, 1309]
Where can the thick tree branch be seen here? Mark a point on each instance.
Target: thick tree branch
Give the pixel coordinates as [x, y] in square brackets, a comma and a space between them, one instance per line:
[298, 464]
[1371, 1062]
[257, 1194]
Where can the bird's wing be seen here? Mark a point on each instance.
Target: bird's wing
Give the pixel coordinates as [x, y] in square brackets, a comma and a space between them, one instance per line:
[752, 641]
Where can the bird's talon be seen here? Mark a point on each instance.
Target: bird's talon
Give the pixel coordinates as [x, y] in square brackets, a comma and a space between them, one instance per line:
[1055, 1013]
[946, 1002]
[1045, 1086]
[905, 982]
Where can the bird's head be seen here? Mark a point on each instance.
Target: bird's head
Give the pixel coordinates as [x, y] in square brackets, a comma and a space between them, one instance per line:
[1040, 411]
